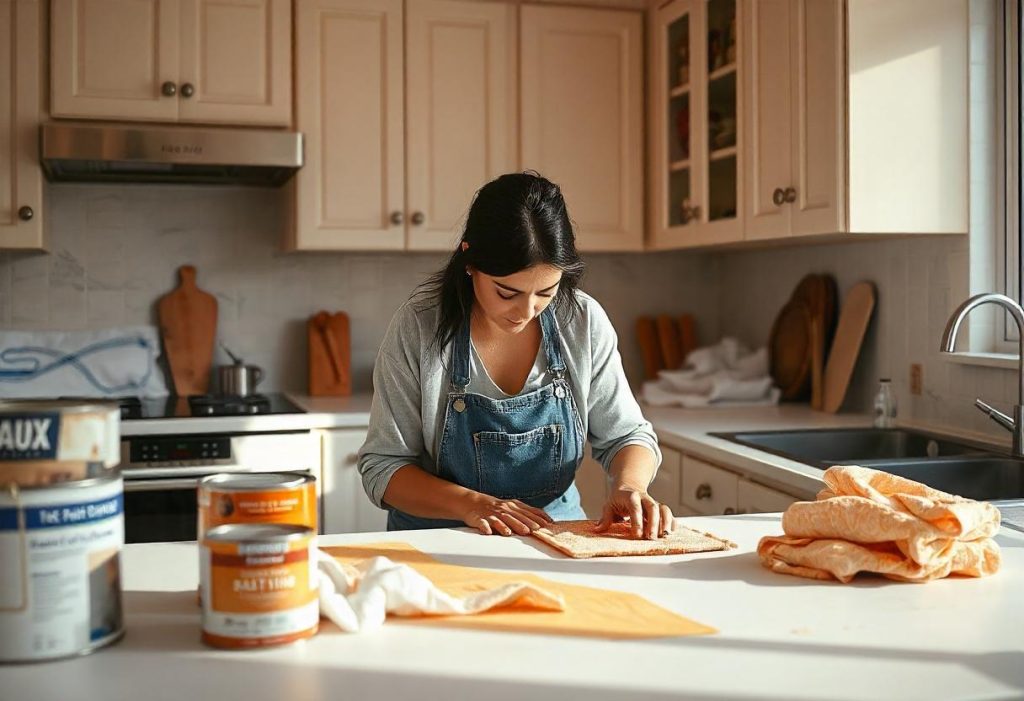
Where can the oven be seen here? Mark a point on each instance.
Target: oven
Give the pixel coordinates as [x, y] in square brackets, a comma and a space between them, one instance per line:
[163, 460]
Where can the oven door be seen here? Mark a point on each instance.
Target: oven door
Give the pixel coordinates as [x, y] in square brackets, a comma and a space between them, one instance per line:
[160, 510]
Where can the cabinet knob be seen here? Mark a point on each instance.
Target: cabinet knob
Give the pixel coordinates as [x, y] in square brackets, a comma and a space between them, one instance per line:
[187, 90]
[25, 213]
[397, 218]
[169, 89]
[729, 511]
[779, 197]
[703, 491]
[417, 218]
[790, 194]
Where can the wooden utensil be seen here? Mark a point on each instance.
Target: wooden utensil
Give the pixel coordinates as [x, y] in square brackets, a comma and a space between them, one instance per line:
[814, 291]
[853, 324]
[687, 335]
[650, 351]
[790, 349]
[329, 354]
[188, 325]
[817, 365]
[669, 342]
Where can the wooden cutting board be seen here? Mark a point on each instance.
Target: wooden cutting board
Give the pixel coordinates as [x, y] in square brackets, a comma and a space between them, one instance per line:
[650, 350]
[853, 324]
[790, 349]
[330, 355]
[188, 325]
[669, 341]
[818, 293]
[687, 335]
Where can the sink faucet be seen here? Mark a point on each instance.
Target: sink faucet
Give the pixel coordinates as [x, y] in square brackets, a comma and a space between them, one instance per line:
[1014, 425]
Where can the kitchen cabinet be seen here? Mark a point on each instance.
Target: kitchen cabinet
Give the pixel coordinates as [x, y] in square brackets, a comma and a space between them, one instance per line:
[708, 489]
[582, 117]
[753, 498]
[21, 178]
[592, 483]
[850, 118]
[406, 111]
[696, 112]
[196, 61]
[856, 117]
[346, 508]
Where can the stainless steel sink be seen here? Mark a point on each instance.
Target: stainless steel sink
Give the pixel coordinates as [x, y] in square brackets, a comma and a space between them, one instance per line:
[863, 446]
[975, 477]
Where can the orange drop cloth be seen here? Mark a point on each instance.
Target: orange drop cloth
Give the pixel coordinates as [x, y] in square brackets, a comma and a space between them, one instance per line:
[871, 521]
[588, 612]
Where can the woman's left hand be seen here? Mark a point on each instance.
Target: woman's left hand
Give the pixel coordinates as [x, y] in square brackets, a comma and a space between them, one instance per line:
[649, 519]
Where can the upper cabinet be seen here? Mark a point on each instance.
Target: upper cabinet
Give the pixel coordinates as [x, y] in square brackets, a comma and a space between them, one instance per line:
[198, 61]
[582, 117]
[850, 118]
[696, 55]
[21, 179]
[400, 132]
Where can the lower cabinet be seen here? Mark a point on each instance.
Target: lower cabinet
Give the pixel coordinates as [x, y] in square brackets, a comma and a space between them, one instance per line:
[592, 482]
[753, 498]
[694, 487]
[347, 509]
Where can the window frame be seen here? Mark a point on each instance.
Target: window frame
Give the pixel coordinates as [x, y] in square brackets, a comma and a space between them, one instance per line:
[1009, 250]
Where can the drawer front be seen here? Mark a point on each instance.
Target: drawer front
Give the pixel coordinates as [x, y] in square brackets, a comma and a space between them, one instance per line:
[667, 482]
[754, 498]
[708, 489]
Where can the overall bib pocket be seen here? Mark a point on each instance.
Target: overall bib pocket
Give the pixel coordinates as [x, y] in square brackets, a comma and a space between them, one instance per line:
[519, 465]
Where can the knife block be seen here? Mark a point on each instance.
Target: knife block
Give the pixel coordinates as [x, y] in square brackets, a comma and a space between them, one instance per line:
[329, 355]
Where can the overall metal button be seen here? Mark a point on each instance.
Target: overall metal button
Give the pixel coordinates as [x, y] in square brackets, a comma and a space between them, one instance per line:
[559, 392]
[459, 405]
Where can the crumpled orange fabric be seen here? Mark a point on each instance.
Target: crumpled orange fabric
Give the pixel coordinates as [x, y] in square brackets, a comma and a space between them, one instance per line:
[871, 521]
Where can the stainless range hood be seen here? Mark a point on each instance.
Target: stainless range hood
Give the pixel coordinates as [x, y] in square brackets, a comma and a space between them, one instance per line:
[130, 153]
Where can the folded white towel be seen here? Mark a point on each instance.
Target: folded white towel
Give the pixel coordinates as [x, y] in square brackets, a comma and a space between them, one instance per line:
[726, 374]
[359, 597]
[732, 393]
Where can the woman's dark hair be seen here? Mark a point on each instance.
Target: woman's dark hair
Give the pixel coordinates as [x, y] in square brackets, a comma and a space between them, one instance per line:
[515, 222]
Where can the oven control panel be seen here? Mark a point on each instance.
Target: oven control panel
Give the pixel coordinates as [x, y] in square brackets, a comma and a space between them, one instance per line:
[180, 449]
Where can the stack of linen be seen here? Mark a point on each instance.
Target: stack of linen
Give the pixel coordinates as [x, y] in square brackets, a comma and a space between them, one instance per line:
[723, 375]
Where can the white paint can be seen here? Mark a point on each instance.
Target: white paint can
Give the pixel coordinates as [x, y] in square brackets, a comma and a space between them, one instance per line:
[61, 530]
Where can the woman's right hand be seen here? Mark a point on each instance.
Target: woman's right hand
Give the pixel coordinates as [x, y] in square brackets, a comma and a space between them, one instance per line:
[494, 516]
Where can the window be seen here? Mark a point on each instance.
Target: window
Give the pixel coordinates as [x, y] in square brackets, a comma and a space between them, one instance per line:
[1010, 250]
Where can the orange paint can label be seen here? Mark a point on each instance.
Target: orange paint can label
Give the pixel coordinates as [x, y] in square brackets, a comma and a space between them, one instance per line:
[268, 497]
[259, 585]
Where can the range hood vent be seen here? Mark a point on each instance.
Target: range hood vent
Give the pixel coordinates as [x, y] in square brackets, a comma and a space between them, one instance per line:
[121, 153]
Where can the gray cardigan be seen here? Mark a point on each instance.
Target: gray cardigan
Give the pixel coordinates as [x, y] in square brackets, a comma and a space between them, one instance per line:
[411, 382]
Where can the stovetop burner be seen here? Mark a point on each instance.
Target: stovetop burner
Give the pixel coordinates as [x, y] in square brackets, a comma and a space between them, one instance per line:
[199, 405]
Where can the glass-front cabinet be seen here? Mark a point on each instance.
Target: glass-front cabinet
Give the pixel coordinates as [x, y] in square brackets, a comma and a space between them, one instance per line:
[695, 134]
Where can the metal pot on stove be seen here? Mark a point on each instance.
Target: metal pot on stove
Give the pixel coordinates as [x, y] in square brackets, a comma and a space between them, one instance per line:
[238, 379]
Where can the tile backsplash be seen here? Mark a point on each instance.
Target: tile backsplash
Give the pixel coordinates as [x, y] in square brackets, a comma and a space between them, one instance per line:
[115, 250]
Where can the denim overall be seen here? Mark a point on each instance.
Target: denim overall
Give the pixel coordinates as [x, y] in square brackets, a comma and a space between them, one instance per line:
[525, 447]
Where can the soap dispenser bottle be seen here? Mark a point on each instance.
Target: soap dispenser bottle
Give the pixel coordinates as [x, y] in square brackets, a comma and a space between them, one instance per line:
[885, 404]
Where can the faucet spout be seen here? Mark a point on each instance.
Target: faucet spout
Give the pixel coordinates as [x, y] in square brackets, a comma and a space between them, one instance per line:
[949, 336]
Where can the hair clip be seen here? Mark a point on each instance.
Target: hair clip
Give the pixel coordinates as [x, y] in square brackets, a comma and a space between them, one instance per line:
[465, 245]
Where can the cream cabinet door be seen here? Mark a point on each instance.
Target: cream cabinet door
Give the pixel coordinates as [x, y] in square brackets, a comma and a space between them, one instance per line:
[236, 62]
[667, 485]
[752, 498]
[708, 489]
[769, 75]
[348, 105]
[21, 180]
[111, 59]
[346, 507]
[460, 112]
[582, 116]
[818, 203]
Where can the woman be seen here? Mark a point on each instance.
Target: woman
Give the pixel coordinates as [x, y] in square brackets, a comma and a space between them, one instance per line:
[492, 376]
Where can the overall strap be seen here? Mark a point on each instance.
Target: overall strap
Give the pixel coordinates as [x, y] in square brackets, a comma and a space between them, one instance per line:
[460, 358]
[552, 343]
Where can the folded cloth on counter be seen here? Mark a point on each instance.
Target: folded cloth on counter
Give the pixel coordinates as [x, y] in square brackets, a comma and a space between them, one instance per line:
[871, 521]
[113, 362]
[359, 597]
[588, 612]
[726, 374]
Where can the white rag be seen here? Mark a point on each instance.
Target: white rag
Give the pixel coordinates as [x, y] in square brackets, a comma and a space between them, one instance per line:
[726, 374]
[359, 597]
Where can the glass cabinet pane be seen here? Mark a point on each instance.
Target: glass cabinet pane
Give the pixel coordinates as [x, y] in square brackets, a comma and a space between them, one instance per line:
[722, 112]
[679, 50]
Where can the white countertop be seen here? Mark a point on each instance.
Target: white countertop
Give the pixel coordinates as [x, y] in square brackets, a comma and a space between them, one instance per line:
[780, 637]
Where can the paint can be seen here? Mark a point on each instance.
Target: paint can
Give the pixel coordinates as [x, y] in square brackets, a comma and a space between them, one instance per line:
[257, 497]
[259, 585]
[60, 568]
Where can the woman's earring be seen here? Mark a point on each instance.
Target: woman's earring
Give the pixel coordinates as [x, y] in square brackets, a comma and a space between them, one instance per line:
[468, 272]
